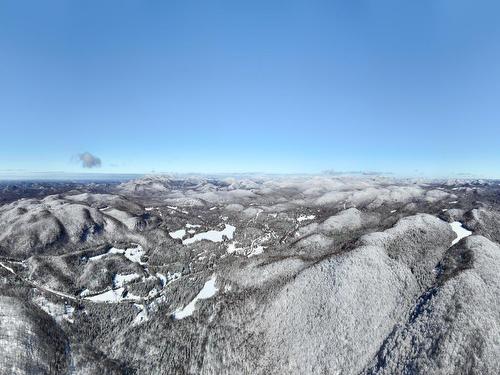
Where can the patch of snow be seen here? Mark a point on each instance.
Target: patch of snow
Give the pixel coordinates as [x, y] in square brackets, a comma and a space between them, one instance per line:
[153, 306]
[212, 208]
[178, 234]
[163, 278]
[453, 202]
[256, 251]
[84, 293]
[175, 208]
[131, 296]
[134, 254]
[153, 293]
[305, 217]
[68, 313]
[98, 257]
[56, 292]
[120, 280]
[212, 235]
[142, 316]
[208, 291]
[57, 311]
[232, 248]
[173, 276]
[392, 211]
[255, 248]
[170, 277]
[460, 231]
[7, 268]
[192, 225]
[149, 278]
[113, 296]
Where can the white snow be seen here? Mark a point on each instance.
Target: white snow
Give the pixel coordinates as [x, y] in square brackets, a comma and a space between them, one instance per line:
[212, 235]
[68, 313]
[175, 208]
[232, 248]
[208, 291]
[392, 211]
[255, 248]
[133, 254]
[173, 276]
[453, 202]
[460, 231]
[113, 295]
[98, 257]
[7, 268]
[56, 292]
[178, 233]
[305, 217]
[153, 293]
[57, 311]
[256, 251]
[170, 277]
[141, 317]
[162, 278]
[121, 280]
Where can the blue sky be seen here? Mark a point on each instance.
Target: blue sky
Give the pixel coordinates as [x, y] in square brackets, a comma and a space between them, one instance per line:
[409, 87]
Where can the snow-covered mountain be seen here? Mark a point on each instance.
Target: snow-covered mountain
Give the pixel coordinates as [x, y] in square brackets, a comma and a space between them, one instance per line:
[251, 275]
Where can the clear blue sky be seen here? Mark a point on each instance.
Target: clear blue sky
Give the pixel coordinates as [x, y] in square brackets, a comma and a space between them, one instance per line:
[274, 86]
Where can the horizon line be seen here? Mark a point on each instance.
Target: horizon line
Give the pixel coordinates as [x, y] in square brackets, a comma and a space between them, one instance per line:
[11, 175]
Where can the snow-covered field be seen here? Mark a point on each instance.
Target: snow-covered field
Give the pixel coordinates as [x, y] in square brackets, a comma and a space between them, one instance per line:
[208, 291]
